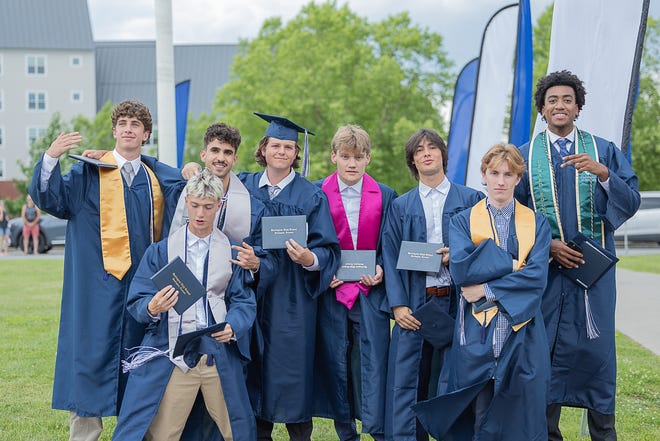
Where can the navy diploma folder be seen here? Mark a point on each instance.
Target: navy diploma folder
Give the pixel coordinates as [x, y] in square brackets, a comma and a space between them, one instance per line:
[356, 263]
[419, 256]
[177, 274]
[92, 161]
[276, 230]
[597, 260]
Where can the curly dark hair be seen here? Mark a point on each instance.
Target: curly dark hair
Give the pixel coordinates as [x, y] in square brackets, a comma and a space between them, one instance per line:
[560, 78]
[411, 146]
[223, 133]
[259, 157]
[132, 109]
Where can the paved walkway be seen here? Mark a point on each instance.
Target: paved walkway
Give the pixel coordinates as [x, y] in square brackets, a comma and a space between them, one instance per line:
[638, 307]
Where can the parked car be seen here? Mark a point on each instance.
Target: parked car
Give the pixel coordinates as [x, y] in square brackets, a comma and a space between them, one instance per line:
[52, 231]
[644, 226]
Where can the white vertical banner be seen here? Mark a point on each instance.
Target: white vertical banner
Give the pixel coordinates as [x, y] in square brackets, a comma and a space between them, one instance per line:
[600, 42]
[494, 87]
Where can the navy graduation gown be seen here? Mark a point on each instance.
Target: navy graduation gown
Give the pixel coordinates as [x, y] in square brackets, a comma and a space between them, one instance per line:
[584, 370]
[94, 325]
[147, 383]
[406, 221]
[280, 376]
[521, 373]
[332, 397]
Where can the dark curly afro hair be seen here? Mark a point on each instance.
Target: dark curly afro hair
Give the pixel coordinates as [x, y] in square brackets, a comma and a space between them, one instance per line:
[561, 78]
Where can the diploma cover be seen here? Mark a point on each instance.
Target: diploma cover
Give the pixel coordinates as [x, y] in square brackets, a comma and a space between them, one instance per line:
[419, 256]
[597, 260]
[276, 230]
[92, 161]
[177, 274]
[356, 263]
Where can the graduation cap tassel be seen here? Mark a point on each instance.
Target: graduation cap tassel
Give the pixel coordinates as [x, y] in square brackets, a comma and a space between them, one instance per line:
[592, 329]
[461, 318]
[140, 355]
[305, 167]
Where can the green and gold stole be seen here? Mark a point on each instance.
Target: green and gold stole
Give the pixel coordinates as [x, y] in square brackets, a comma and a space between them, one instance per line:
[543, 186]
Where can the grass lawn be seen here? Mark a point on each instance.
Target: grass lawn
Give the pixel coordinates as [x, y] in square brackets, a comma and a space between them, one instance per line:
[30, 299]
[648, 263]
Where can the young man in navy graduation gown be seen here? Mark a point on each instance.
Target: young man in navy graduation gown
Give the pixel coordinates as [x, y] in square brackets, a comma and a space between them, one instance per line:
[568, 168]
[160, 392]
[420, 215]
[498, 368]
[280, 379]
[353, 327]
[113, 214]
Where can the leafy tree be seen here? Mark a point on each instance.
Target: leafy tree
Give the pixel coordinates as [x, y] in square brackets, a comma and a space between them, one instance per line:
[37, 149]
[97, 133]
[646, 118]
[328, 67]
[541, 43]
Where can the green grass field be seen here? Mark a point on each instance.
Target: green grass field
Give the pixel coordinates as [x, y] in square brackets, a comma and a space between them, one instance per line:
[30, 297]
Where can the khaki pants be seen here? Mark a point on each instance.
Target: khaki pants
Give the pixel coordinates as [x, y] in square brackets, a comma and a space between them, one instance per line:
[178, 400]
[84, 428]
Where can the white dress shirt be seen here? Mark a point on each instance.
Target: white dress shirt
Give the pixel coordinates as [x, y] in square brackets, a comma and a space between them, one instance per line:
[433, 201]
[351, 195]
[198, 248]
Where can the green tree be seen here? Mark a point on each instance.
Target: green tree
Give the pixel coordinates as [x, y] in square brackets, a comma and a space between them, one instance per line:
[96, 133]
[328, 67]
[646, 118]
[37, 149]
[541, 43]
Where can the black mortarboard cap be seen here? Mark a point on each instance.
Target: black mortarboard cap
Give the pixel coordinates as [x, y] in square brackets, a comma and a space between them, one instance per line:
[437, 326]
[283, 128]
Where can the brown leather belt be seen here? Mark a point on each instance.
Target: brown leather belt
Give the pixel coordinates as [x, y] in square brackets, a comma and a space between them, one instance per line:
[437, 291]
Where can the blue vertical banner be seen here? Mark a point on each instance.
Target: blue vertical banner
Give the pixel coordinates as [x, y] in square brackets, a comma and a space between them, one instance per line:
[458, 141]
[521, 98]
[181, 96]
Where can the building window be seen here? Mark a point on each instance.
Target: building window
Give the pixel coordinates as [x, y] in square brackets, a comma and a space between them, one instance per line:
[2, 136]
[36, 100]
[76, 96]
[2, 100]
[34, 133]
[36, 64]
[2, 168]
[76, 61]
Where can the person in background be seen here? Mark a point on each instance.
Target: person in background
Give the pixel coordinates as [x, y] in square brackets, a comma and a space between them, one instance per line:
[420, 215]
[582, 184]
[353, 326]
[30, 214]
[4, 229]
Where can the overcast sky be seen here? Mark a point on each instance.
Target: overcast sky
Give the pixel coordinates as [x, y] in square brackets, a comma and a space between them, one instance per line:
[460, 22]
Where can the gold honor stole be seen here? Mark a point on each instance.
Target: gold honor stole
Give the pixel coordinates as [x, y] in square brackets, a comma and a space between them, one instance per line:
[115, 244]
[481, 228]
[543, 186]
